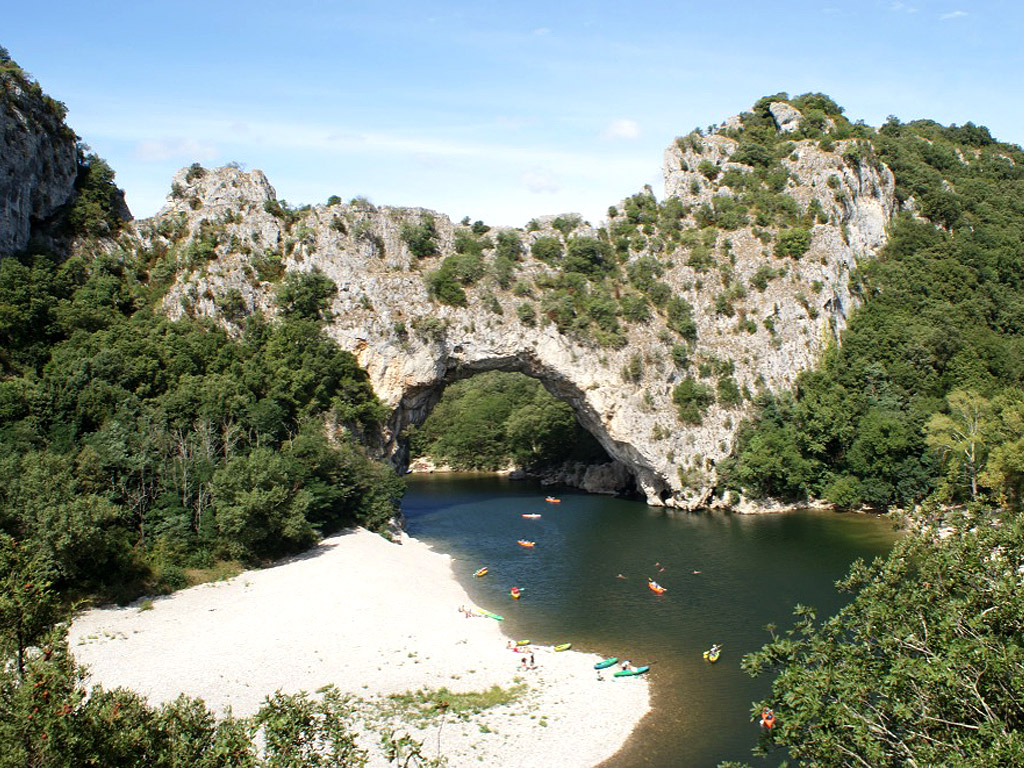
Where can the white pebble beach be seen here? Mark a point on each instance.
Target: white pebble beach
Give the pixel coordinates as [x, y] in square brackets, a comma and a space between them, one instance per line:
[373, 618]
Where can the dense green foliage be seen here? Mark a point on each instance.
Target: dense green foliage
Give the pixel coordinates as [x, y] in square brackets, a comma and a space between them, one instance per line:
[924, 667]
[421, 237]
[48, 719]
[583, 293]
[495, 419]
[96, 209]
[943, 319]
[132, 447]
[692, 398]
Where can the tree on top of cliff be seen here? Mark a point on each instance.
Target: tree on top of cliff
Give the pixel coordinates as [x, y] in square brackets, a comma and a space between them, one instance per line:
[98, 209]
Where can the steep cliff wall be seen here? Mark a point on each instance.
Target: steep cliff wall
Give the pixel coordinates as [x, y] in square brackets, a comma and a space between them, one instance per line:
[769, 289]
[38, 158]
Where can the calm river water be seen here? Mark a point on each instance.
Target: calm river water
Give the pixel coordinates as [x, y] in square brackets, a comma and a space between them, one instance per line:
[752, 571]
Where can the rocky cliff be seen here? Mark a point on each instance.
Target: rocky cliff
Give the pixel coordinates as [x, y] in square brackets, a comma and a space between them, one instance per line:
[733, 284]
[38, 158]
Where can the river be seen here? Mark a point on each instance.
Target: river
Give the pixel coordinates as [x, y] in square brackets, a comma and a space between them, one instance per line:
[727, 576]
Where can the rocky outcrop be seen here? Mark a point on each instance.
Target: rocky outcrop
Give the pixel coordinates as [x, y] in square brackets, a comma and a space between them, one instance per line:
[38, 158]
[762, 315]
[610, 478]
[787, 118]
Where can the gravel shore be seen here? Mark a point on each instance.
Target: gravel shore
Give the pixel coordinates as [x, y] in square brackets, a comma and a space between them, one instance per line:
[373, 618]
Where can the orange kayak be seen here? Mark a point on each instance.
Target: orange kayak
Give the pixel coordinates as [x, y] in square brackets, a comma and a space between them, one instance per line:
[527, 544]
[655, 587]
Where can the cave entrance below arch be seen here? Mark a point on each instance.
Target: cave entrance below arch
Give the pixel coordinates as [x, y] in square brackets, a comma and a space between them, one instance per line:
[499, 419]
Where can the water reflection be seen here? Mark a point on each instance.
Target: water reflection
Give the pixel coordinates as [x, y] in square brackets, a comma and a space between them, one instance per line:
[751, 571]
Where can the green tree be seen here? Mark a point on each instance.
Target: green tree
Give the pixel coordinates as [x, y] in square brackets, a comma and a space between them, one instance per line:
[301, 732]
[793, 243]
[260, 507]
[547, 249]
[421, 237]
[679, 317]
[959, 436]
[588, 256]
[923, 667]
[1004, 471]
[306, 295]
[692, 399]
[98, 204]
[28, 606]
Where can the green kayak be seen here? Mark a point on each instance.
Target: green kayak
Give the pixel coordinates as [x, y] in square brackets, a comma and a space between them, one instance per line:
[488, 614]
[632, 671]
[607, 662]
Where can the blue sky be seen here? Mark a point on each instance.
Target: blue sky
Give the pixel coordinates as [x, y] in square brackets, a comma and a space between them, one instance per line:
[499, 111]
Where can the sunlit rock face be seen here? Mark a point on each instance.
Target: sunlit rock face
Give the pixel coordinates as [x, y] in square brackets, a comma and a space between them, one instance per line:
[229, 238]
[38, 161]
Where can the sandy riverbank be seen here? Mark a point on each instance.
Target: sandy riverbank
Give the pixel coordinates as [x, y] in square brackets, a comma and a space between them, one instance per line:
[373, 618]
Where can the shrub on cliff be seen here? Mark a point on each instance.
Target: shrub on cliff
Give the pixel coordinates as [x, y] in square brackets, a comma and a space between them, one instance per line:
[547, 249]
[792, 243]
[421, 237]
[96, 211]
[692, 399]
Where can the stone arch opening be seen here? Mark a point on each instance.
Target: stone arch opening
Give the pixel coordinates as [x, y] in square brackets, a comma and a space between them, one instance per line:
[603, 474]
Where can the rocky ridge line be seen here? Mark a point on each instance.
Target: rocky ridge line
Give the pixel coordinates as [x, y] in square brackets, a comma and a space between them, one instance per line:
[229, 238]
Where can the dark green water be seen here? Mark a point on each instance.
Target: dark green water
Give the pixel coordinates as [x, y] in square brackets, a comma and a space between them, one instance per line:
[753, 569]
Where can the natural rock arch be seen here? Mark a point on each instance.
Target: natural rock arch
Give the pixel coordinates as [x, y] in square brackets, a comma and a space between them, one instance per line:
[411, 345]
[418, 401]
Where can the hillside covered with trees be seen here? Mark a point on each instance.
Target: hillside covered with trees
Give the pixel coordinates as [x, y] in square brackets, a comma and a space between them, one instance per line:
[139, 455]
[922, 397]
[920, 405]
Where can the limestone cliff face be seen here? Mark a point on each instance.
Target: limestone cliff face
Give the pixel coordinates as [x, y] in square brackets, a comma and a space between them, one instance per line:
[761, 318]
[38, 158]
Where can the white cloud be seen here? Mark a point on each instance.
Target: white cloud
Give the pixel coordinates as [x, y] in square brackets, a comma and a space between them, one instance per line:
[541, 31]
[622, 129]
[953, 15]
[541, 180]
[174, 147]
[901, 7]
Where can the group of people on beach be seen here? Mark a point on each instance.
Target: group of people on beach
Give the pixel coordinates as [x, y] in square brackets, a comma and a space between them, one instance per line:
[527, 662]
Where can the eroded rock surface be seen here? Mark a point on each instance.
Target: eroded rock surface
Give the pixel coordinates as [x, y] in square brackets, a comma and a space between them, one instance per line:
[38, 159]
[231, 239]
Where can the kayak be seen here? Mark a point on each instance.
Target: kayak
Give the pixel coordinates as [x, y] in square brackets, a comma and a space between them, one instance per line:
[516, 593]
[606, 662]
[531, 515]
[656, 587]
[553, 500]
[522, 642]
[632, 671]
[563, 647]
[481, 572]
[488, 614]
[527, 544]
[767, 719]
[711, 655]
